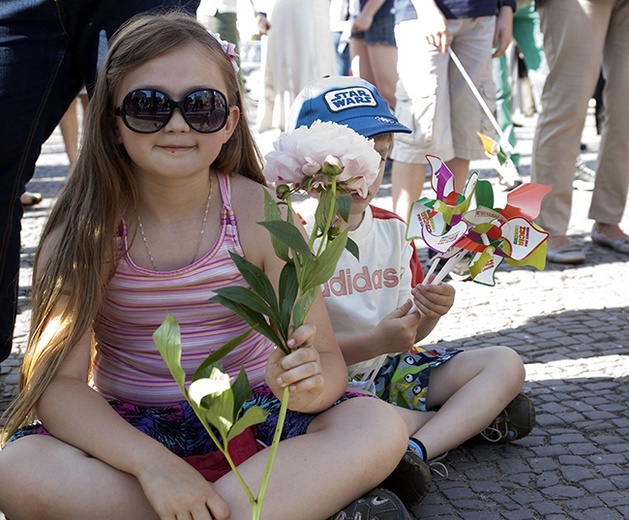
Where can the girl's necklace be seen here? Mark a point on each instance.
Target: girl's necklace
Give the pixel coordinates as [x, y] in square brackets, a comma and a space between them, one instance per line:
[196, 251]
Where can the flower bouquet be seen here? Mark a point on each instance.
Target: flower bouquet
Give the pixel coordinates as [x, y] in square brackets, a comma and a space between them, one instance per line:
[330, 162]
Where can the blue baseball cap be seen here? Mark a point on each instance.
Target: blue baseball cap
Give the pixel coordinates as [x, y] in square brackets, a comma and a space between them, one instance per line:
[345, 100]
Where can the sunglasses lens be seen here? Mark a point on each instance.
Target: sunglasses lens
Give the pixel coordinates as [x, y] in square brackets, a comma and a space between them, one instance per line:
[146, 111]
[205, 110]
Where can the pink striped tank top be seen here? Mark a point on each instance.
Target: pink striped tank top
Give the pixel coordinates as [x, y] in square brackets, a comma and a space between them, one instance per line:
[128, 365]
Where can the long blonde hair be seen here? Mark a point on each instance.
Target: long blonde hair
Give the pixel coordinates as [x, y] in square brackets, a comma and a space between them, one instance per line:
[100, 189]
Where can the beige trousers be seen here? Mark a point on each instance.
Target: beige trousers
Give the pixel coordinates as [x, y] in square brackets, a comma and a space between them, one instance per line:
[580, 36]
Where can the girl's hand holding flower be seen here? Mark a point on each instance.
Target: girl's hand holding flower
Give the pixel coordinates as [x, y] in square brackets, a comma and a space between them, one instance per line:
[300, 370]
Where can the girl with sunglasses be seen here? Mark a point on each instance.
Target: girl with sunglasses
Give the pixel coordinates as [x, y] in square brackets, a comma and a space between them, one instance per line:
[167, 183]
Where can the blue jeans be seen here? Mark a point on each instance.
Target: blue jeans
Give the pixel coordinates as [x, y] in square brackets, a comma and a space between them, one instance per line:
[48, 51]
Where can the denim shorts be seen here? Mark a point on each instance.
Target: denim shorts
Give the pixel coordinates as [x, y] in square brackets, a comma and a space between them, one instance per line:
[381, 31]
[403, 380]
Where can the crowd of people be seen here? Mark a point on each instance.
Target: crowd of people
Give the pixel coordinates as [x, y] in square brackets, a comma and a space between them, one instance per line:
[140, 227]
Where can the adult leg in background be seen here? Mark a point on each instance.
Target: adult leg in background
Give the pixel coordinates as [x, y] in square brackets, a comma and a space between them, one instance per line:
[574, 64]
[612, 176]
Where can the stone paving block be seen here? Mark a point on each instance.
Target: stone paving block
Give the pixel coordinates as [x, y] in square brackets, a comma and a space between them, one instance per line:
[546, 509]
[597, 513]
[563, 491]
[599, 485]
[577, 473]
[584, 448]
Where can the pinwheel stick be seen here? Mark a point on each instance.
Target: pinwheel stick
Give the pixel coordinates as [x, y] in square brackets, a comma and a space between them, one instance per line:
[504, 141]
[447, 267]
[441, 274]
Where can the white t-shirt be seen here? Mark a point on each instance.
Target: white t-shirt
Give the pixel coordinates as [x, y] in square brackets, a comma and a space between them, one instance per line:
[362, 292]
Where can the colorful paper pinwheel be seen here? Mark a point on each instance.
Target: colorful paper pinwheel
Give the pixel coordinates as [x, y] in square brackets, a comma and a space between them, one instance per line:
[508, 233]
[450, 228]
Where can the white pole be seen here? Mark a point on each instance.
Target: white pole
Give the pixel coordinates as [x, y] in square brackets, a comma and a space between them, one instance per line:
[504, 141]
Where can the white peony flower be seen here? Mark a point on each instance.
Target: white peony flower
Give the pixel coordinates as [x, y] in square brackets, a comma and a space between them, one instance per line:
[301, 154]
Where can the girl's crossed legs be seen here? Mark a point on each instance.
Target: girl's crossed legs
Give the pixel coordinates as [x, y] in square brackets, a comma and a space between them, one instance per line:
[348, 450]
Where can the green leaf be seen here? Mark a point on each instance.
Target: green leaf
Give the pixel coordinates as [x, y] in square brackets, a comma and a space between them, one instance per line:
[325, 210]
[273, 213]
[254, 319]
[257, 279]
[219, 354]
[220, 422]
[242, 391]
[288, 293]
[290, 235]
[254, 415]
[352, 247]
[249, 299]
[167, 338]
[322, 269]
[303, 306]
[343, 205]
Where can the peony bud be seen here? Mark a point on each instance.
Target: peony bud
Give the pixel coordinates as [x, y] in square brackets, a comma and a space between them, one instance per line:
[332, 165]
[282, 191]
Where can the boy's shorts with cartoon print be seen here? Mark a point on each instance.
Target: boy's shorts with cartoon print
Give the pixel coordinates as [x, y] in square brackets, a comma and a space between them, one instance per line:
[403, 380]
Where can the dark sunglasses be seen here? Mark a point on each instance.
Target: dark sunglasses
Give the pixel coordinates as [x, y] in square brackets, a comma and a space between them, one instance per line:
[146, 111]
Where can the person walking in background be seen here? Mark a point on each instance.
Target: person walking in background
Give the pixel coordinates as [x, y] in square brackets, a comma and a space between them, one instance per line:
[433, 99]
[372, 46]
[70, 128]
[50, 51]
[221, 17]
[528, 37]
[580, 36]
[341, 28]
[299, 48]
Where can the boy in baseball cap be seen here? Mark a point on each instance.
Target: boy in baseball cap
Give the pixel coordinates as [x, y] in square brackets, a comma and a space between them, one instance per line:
[379, 310]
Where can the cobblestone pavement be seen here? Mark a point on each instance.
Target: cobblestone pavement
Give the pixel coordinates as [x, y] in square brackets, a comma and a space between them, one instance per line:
[569, 324]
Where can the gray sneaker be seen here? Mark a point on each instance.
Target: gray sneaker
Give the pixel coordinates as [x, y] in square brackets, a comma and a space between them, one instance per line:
[514, 422]
[378, 504]
[584, 176]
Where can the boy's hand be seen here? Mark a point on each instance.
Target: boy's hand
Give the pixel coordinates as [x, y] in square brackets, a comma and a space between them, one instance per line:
[433, 301]
[396, 332]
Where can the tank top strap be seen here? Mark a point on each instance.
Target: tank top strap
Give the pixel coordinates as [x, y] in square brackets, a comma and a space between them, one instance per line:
[227, 213]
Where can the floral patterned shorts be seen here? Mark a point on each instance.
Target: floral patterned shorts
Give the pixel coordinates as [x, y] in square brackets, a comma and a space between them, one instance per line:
[178, 429]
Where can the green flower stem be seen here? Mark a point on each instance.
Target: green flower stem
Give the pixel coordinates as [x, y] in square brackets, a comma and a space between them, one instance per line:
[223, 450]
[328, 221]
[257, 507]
